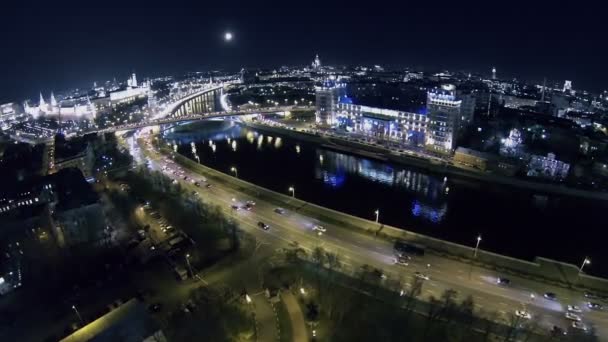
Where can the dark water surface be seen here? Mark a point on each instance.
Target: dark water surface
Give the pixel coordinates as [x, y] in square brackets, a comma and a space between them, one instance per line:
[519, 223]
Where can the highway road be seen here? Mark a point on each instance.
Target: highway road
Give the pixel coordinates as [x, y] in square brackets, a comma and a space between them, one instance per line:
[357, 249]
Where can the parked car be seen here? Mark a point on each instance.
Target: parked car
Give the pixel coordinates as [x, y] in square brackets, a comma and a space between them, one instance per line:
[574, 308]
[523, 314]
[594, 306]
[263, 225]
[279, 211]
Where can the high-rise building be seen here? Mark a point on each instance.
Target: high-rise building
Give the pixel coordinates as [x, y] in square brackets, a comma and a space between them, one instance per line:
[567, 86]
[327, 98]
[443, 111]
[316, 63]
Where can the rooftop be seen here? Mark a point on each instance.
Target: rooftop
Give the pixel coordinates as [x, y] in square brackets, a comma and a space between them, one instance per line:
[127, 323]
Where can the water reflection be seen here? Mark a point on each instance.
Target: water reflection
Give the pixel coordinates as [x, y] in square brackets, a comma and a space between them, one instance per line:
[335, 168]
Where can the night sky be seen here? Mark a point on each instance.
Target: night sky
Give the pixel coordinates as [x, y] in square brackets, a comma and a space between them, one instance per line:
[55, 45]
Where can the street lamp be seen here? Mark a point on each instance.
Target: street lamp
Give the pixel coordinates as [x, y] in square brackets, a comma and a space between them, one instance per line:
[77, 314]
[477, 246]
[236, 173]
[188, 263]
[377, 212]
[585, 262]
[293, 191]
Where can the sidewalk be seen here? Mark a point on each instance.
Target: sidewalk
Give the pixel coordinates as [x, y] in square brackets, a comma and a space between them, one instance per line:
[298, 324]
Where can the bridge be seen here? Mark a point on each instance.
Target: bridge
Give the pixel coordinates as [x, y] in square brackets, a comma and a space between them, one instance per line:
[203, 116]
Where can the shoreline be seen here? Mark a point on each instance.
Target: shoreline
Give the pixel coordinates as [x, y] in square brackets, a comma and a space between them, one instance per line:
[383, 155]
[540, 269]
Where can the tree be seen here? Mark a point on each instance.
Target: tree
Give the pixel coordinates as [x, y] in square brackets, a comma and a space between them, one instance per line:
[312, 312]
[414, 290]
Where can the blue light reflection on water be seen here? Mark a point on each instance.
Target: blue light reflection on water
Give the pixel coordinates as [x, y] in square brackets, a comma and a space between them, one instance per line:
[408, 197]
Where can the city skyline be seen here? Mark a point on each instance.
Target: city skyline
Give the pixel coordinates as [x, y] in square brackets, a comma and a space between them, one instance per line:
[529, 42]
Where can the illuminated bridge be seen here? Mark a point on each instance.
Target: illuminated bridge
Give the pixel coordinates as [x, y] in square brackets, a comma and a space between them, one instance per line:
[202, 105]
[201, 116]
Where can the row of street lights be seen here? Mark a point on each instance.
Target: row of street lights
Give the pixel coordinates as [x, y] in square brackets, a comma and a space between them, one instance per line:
[292, 190]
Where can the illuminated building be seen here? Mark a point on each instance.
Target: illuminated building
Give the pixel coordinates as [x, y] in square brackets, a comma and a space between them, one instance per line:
[133, 91]
[327, 98]
[71, 109]
[10, 113]
[443, 120]
[385, 124]
[316, 63]
[547, 167]
[567, 86]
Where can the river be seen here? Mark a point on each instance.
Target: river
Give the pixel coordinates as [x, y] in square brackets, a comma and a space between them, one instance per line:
[510, 221]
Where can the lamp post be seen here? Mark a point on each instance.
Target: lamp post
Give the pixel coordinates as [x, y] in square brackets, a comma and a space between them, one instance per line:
[477, 246]
[293, 191]
[188, 263]
[236, 173]
[377, 212]
[77, 314]
[585, 262]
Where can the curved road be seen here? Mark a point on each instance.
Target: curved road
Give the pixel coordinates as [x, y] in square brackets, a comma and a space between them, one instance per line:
[356, 249]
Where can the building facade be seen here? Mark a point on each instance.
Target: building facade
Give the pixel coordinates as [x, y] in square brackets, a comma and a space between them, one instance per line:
[327, 98]
[443, 120]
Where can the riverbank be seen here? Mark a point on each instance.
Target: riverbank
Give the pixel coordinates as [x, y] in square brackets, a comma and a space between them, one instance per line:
[384, 155]
[541, 269]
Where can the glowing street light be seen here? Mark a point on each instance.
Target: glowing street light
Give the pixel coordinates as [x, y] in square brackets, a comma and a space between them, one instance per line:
[188, 263]
[228, 36]
[585, 262]
[236, 173]
[293, 191]
[77, 314]
[247, 299]
[377, 212]
[477, 246]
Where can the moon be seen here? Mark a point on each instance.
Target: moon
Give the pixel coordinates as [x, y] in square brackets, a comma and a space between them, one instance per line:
[227, 36]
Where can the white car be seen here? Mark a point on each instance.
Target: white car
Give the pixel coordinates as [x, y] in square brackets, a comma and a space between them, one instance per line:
[421, 276]
[578, 325]
[574, 308]
[523, 314]
[573, 317]
[319, 228]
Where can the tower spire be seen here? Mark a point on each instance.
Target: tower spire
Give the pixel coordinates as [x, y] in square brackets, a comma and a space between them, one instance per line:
[41, 103]
[53, 100]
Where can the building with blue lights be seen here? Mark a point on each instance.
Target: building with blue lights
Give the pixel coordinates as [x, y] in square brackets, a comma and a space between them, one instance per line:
[443, 120]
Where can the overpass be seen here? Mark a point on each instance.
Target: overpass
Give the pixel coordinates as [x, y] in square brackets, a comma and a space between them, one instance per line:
[202, 116]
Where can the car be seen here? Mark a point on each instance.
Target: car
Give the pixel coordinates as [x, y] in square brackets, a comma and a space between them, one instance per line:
[579, 325]
[594, 306]
[590, 295]
[263, 225]
[207, 185]
[421, 276]
[279, 211]
[318, 228]
[234, 207]
[574, 308]
[250, 203]
[523, 314]
[197, 184]
[402, 260]
[550, 296]
[185, 177]
[572, 316]
[503, 281]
